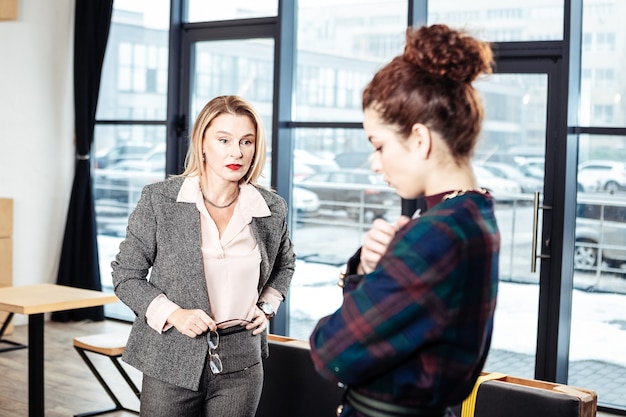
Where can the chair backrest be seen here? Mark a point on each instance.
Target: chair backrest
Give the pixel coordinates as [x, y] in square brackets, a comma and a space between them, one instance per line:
[519, 397]
[292, 386]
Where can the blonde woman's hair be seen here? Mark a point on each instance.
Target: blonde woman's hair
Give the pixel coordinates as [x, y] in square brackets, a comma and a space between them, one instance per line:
[236, 106]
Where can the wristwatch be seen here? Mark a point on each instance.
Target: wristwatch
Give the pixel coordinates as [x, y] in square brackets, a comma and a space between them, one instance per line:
[267, 309]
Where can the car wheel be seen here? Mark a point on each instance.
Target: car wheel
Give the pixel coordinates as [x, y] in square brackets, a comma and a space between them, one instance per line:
[585, 257]
[611, 186]
[378, 214]
[354, 209]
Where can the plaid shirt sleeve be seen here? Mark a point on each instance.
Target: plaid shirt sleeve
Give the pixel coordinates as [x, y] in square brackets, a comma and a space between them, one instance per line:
[424, 315]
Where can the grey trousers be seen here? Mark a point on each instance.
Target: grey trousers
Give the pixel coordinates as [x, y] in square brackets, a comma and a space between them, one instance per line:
[235, 394]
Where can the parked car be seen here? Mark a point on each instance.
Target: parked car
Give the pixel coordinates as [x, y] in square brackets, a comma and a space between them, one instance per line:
[600, 232]
[353, 159]
[120, 153]
[502, 189]
[306, 203]
[602, 175]
[352, 190]
[317, 163]
[529, 184]
[532, 166]
[123, 181]
[301, 169]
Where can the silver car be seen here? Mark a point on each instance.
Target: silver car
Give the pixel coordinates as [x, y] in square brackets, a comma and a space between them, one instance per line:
[602, 175]
[600, 232]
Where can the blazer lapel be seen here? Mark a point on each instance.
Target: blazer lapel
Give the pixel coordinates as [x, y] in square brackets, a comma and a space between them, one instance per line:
[187, 218]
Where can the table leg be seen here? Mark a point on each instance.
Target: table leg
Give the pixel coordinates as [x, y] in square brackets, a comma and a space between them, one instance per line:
[35, 366]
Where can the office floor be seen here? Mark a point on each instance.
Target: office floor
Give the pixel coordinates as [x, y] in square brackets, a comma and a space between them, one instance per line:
[70, 387]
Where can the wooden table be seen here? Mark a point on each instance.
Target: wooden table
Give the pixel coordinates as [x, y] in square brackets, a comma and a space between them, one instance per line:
[34, 301]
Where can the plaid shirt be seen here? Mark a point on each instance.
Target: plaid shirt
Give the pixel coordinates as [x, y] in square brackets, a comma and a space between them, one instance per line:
[417, 329]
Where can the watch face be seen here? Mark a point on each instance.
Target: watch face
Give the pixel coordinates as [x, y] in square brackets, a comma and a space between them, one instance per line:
[267, 308]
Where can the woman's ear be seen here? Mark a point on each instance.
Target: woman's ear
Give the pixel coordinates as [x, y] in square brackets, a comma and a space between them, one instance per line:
[420, 140]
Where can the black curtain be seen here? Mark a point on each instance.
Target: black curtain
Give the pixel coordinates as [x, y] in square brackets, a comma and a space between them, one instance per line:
[79, 254]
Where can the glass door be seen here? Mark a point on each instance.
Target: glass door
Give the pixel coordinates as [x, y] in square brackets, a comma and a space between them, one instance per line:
[518, 160]
[509, 162]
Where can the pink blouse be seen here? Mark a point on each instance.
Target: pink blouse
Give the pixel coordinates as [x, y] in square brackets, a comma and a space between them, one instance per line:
[231, 263]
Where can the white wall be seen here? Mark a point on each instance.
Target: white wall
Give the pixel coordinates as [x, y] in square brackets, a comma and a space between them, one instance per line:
[37, 133]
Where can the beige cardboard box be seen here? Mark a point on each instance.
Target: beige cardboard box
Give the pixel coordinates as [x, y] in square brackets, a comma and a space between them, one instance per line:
[6, 262]
[8, 9]
[6, 217]
[6, 250]
[6, 273]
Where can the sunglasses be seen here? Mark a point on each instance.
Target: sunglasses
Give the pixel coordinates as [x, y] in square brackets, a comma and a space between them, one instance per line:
[213, 339]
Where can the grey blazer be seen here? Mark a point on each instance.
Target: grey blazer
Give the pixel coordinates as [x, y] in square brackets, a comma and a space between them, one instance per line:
[164, 235]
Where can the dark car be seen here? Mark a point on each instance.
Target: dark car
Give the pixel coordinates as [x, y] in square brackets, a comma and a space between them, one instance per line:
[354, 190]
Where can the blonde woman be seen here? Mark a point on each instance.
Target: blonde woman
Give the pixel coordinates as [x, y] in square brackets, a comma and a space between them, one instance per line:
[221, 262]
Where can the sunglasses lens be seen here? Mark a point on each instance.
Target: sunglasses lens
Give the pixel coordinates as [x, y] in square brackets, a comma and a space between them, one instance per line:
[213, 340]
[216, 364]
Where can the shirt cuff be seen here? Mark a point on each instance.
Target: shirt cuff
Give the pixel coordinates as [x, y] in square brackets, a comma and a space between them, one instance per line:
[272, 296]
[158, 312]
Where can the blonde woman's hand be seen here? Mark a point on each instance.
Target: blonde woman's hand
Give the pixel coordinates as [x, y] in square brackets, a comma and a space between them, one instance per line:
[258, 323]
[376, 242]
[191, 323]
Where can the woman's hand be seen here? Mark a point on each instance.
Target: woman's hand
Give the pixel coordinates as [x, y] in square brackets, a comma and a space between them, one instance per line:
[376, 242]
[191, 323]
[258, 323]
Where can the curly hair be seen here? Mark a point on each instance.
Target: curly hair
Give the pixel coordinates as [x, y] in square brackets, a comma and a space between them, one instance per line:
[431, 83]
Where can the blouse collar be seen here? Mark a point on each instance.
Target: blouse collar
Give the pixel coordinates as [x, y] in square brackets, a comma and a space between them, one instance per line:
[251, 203]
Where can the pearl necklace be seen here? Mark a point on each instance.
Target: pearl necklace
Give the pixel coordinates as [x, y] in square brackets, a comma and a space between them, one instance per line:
[221, 207]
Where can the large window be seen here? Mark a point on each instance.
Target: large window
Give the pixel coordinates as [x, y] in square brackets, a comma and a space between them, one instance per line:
[336, 46]
[130, 134]
[600, 226]
[502, 20]
[206, 11]
[339, 48]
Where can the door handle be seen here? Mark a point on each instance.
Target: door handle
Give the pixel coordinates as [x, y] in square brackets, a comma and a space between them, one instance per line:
[536, 207]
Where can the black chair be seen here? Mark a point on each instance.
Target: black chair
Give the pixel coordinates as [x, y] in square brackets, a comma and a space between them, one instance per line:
[518, 397]
[292, 386]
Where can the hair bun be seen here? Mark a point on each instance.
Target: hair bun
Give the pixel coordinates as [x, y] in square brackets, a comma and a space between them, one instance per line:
[442, 52]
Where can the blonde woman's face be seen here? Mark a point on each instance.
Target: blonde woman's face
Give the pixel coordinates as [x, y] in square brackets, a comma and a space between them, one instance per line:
[393, 158]
[228, 146]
